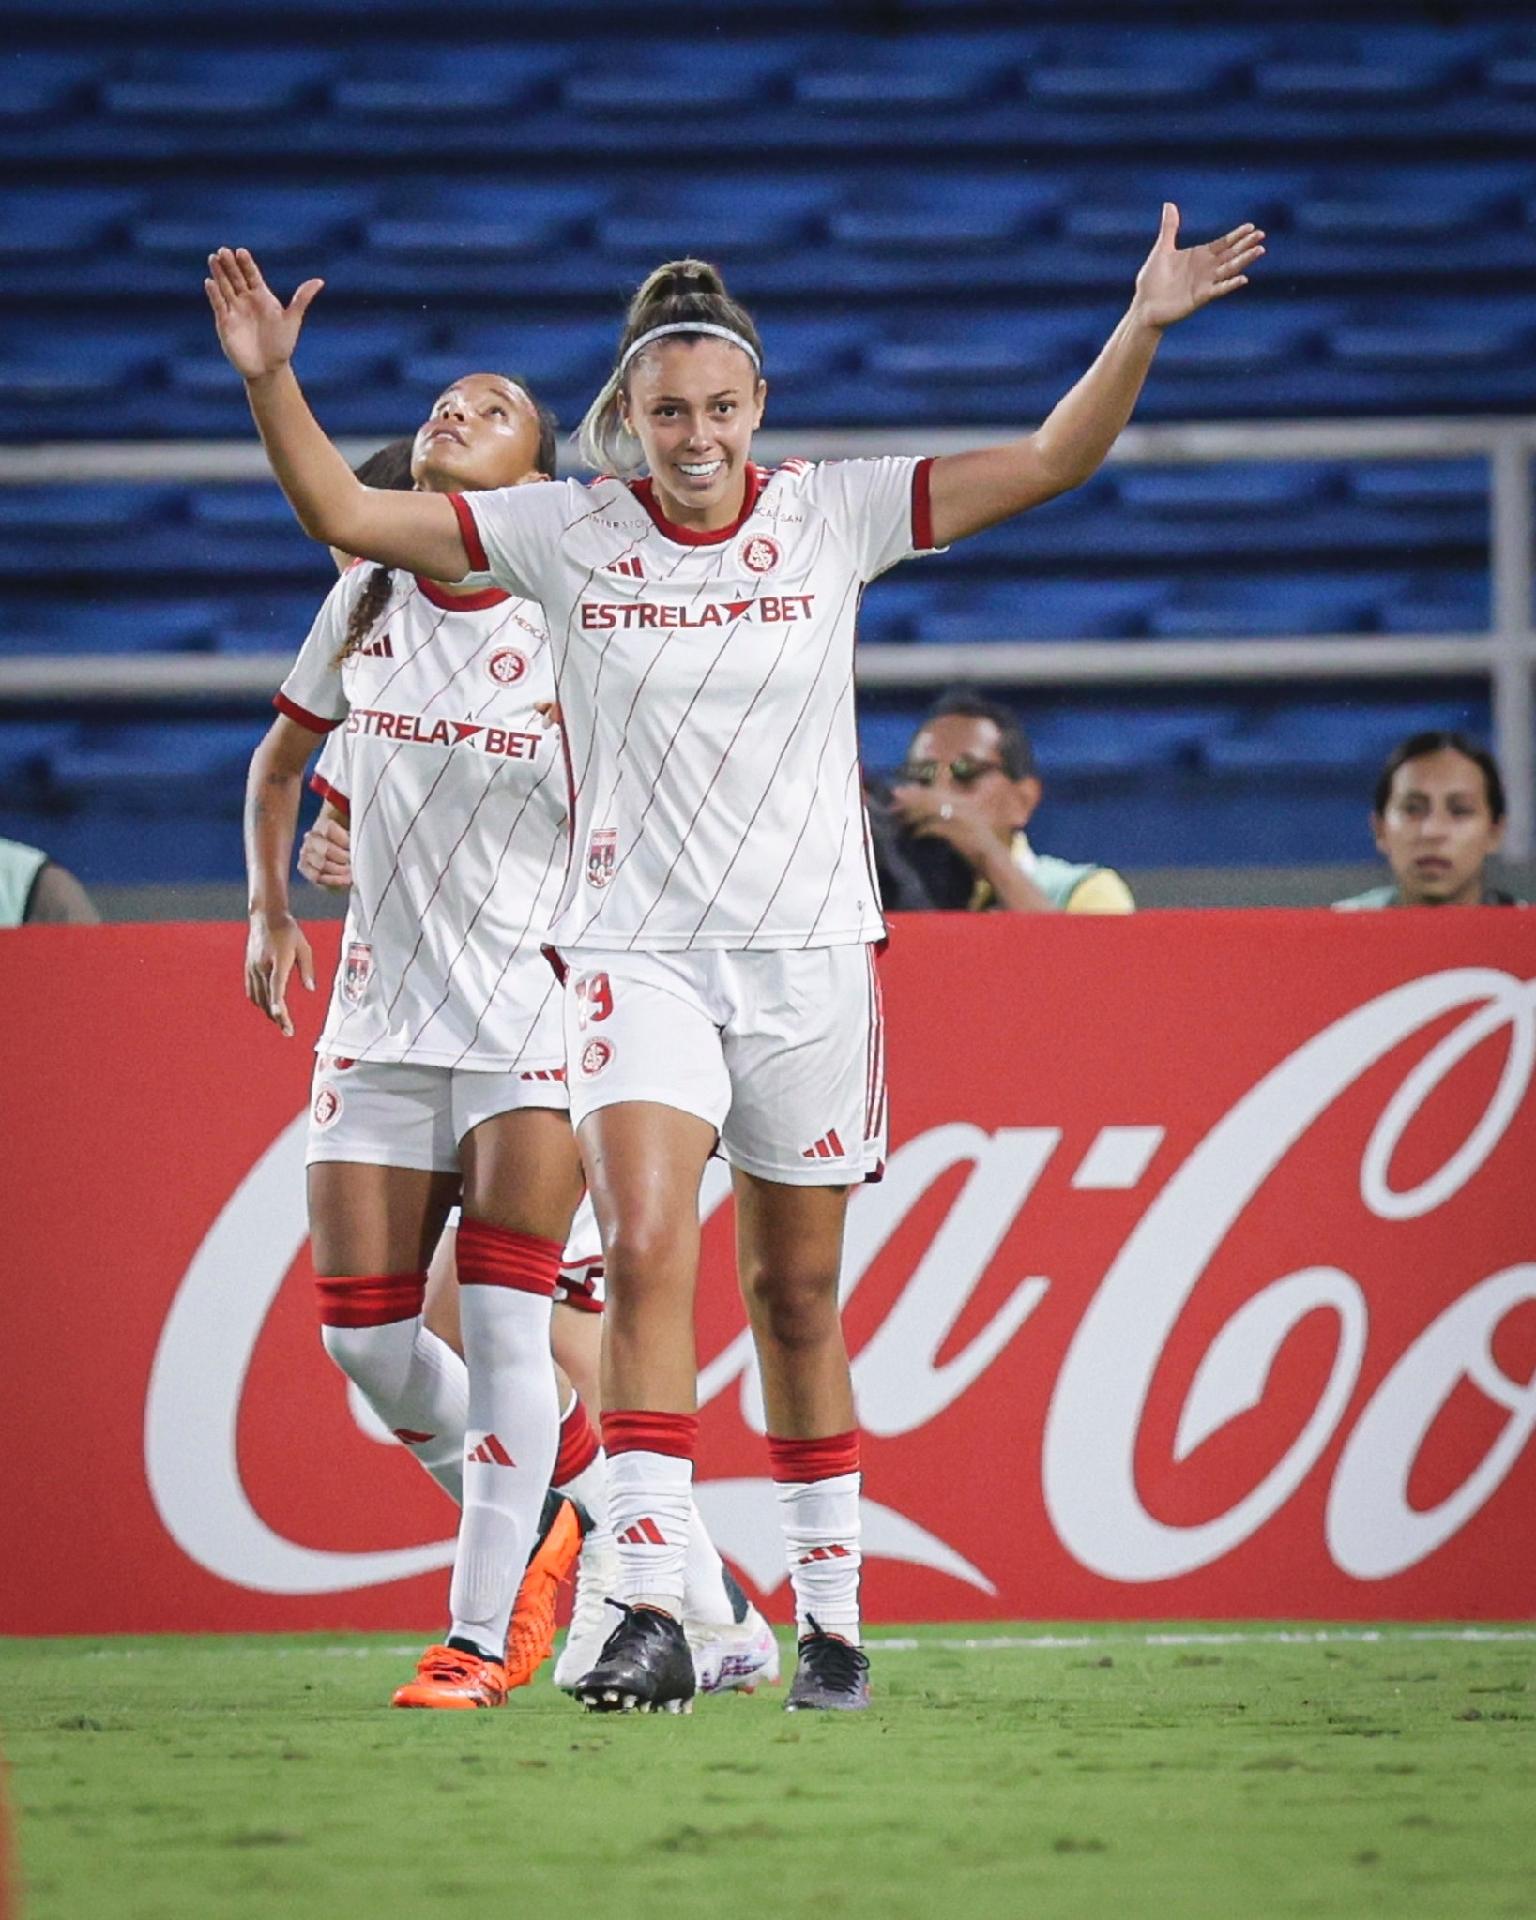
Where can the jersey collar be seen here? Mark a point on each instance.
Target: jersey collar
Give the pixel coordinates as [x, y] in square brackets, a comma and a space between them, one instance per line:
[460, 602]
[645, 492]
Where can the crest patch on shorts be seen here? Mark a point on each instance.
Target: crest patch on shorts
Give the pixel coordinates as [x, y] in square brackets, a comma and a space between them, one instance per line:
[595, 1055]
[327, 1108]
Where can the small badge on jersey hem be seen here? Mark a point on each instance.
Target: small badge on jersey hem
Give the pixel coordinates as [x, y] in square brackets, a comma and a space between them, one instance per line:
[507, 666]
[602, 856]
[327, 1108]
[356, 972]
[595, 1055]
[759, 553]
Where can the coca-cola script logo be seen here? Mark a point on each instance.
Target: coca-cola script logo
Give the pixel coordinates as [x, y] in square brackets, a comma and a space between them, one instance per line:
[911, 1368]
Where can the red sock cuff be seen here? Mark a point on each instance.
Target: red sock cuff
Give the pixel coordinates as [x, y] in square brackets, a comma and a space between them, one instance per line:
[578, 1446]
[496, 1257]
[798, 1461]
[370, 1299]
[672, 1433]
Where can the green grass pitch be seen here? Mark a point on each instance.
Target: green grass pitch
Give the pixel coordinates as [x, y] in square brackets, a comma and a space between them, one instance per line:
[1103, 1773]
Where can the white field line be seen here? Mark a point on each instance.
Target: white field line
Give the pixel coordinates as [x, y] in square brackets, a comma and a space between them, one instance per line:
[993, 1643]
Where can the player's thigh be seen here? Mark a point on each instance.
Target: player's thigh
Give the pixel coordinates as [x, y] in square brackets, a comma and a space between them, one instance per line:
[382, 1167]
[521, 1167]
[805, 1049]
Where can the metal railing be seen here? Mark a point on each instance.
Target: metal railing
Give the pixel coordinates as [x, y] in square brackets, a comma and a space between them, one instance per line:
[1505, 654]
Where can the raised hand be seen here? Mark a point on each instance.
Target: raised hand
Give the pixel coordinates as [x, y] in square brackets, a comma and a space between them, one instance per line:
[257, 332]
[1176, 281]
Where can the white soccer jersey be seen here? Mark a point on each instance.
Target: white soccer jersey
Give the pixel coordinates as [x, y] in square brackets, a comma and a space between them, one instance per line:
[457, 800]
[706, 688]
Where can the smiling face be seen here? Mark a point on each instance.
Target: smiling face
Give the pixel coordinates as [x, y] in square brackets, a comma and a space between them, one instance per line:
[694, 405]
[483, 432]
[1437, 830]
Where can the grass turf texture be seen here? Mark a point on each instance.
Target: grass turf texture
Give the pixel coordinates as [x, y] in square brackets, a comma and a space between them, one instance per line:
[1108, 1776]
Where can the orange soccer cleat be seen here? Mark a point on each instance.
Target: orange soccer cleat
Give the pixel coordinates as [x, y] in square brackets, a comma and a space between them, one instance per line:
[447, 1677]
[531, 1630]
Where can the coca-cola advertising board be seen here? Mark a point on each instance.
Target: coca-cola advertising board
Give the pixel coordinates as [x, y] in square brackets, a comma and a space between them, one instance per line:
[1201, 1284]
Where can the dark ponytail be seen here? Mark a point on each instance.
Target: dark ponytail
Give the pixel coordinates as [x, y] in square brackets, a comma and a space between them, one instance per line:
[389, 470]
[672, 295]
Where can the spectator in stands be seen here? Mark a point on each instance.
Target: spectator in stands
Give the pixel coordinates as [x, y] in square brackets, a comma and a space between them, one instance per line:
[970, 783]
[34, 891]
[1438, 816]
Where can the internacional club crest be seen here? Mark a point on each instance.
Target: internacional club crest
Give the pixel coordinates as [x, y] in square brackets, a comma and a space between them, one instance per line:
[595, 1055]
[327, 1108]
[602, 853]
[760, 553]
[507, 666]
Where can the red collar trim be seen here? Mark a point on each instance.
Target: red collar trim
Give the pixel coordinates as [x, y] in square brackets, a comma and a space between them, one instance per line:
[645, 492]
[460, 602]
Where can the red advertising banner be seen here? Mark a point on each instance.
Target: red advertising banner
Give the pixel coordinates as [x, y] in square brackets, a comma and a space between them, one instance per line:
[1202, 1283]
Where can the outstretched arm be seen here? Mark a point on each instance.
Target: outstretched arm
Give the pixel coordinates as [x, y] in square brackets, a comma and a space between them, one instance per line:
[274, 942]
[970, 491]
[258, 333]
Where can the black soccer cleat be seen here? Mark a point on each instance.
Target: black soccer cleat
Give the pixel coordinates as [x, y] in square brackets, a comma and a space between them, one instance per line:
[832, 1675]
[645, 1666]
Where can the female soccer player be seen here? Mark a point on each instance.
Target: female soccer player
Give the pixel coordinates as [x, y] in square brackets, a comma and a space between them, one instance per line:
[719, 911]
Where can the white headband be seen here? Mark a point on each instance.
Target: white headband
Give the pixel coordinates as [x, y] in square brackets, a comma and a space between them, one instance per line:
[695, 326]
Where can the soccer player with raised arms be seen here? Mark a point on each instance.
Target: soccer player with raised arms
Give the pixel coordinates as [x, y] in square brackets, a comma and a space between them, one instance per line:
[719, 910]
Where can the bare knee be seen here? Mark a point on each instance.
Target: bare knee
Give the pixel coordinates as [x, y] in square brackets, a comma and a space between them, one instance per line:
[793, 1306]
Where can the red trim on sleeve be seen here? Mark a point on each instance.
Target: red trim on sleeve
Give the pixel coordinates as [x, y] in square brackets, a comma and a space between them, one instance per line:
[922, 506]
[468, 526]
[303, 715]
[645, 492]
[319, 784]
[461, 602]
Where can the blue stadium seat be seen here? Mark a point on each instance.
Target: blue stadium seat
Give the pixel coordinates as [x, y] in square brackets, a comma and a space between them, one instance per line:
[161, 85]
[803, 351]
[1127, 70]
[78, 363]
[485, 220]
[276, 623]
[1417, 336]
[1259, 607]
[966, 214]
[917, 73]
[561, 354]
[975, 346]
[1119, 739]
[673, 77]
[44, 85]
[884, 736]
[1447, 601]
[61, 221]
[1421, 204]
[241, 509]
[1241, 488]
[274, 221]
[1043, 610]
[27, 748]
[1420, 483]
[1380, 67]
[1343, 737]
[108, 626]
[68, 512]
[1121, 209]
[1270, 340]
[157, 768]
[895, 606]
[416, 82]
[730, 215]
[337, 355]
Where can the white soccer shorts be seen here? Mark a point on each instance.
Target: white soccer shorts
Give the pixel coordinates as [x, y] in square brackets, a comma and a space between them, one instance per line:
[393, 1114]
[782, 1053]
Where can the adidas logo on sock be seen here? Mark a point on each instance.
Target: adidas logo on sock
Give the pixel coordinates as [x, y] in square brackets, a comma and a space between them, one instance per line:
[828, 1147]
[822, 1553]
[491, 1453]
[644, 1533]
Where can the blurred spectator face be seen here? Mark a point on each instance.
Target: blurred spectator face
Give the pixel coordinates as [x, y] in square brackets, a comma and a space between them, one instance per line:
[958, 754]
[1437, 830]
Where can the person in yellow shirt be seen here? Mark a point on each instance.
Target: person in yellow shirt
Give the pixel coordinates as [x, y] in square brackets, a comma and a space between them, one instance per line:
[970, 783]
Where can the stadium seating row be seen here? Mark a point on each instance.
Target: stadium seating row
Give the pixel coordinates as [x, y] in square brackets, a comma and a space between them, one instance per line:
[830, 85]
[1206, 782]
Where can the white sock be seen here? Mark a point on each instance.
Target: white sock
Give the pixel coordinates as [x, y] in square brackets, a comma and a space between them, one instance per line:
[509, 1454]
[416, 1384]
[821, 1538]
[650, 1501]
[705, 1600]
